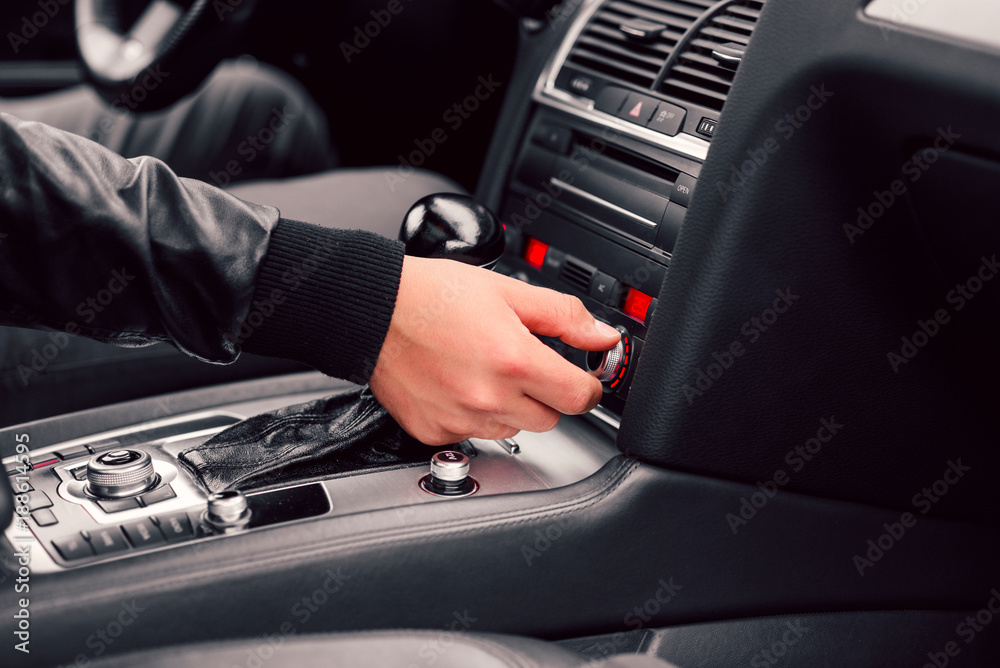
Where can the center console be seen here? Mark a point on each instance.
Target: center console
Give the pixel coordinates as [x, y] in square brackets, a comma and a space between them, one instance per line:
[612, 146]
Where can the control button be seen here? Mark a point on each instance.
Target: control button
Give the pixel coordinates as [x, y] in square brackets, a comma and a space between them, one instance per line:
[73, 547]
[706, 126]
[38, 461]
[609, 366]
[449, 475]
[605, 289]
[610, 100]
[534, 252]
[107, 540]
[576, 83]
[38, 500]
[73, 452]
[143, 533]
[161, 494]
[44, 518]
[638, 108]
[120, 473]
[80, 473]
[683, 190]
[228, 510]
[637, 304]
[176, 527]
[554, 137]
[103, 445]
[667, 119]
[117, 505]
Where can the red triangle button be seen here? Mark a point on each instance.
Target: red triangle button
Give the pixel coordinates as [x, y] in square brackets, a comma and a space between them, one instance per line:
[636, 110]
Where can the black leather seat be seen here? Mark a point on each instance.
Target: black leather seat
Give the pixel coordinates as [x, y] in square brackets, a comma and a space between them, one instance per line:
[442, 649]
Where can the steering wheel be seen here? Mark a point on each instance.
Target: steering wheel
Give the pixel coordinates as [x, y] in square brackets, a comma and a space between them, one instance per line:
[165, 55]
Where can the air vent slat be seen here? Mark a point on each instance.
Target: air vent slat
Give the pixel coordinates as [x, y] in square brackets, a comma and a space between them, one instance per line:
[615, 14]
[614, 68]
[695, 76]
[663, 47]
[608, 48]
[576, 274]
[723, 81]
[697, 90]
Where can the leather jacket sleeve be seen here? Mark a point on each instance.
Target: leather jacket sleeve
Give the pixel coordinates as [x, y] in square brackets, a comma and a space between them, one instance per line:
[127, 252]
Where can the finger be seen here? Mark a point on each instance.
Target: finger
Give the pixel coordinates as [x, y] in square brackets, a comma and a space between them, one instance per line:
[552, 313]
[529, 414]
[558, 383]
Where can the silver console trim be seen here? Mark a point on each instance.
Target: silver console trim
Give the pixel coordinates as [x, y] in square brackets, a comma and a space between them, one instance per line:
[562, 185]
[547, 94]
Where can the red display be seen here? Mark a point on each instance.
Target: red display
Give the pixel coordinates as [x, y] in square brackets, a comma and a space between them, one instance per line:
[637, 304]
[534, 252]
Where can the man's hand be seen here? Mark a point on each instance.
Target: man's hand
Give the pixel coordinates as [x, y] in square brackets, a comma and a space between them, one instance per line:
[459, 359]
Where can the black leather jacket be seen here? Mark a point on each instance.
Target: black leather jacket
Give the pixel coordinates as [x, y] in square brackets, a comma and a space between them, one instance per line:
[126, 252]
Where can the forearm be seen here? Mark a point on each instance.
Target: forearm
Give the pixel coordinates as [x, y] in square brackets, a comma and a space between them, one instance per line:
[122, 250]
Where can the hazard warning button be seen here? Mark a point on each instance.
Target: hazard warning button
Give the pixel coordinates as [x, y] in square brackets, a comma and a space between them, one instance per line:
[638, 108]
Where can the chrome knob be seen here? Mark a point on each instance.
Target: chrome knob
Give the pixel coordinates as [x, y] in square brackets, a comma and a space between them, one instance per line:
[227, 510]
[449, 475]
[609, 366]
[449, 466]
[120, 473]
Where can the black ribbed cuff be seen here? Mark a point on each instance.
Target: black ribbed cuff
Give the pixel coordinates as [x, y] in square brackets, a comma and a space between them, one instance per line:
[324, 297]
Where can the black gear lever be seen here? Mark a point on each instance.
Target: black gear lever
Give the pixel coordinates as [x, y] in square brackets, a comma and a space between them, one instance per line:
[456, 227]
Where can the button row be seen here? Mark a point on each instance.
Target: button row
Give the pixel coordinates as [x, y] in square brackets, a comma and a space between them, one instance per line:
[128, 503]
[147, 532]
[640, 109]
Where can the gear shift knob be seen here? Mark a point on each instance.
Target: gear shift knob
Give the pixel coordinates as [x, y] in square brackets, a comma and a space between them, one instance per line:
[456, 227]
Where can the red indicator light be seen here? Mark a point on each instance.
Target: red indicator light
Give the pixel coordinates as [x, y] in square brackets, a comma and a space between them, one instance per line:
[637, 304]
[47, 462]
[534, 252]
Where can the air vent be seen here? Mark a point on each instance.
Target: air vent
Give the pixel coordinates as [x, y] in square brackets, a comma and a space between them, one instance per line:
[577, 274]
[704, 78]
[630, 40]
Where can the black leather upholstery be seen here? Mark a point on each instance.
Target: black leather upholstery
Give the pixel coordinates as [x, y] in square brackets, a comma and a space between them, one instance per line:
[781, 227]
[442, 649]
[558, 563]
[881, 639]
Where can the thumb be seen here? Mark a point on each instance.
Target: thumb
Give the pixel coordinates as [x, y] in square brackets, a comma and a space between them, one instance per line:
[552, 313]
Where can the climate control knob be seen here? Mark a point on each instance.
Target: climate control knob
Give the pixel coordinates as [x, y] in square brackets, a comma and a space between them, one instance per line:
[119, 473]
[449, 475]
[609, 366]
